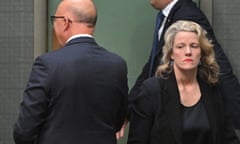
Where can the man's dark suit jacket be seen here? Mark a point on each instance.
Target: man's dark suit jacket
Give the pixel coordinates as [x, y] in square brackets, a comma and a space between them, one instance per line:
[187, 10]
[77, 94]
[157, 118]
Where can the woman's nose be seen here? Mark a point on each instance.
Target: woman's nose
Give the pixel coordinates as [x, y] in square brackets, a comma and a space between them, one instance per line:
[188, 51]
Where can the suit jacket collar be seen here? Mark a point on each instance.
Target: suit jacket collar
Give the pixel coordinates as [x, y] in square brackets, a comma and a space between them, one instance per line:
[78, 35]
[169, 20]
[88, 40]
[172, 105]
[168, 8]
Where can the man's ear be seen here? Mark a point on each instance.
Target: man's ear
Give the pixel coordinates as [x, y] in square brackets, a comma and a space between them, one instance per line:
[66, 23]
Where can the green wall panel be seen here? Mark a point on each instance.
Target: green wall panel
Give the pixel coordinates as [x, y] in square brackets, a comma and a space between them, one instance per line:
[126, 28]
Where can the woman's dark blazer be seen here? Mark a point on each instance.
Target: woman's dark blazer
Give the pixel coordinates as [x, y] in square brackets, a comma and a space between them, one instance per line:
[187, 10]
[156, 117]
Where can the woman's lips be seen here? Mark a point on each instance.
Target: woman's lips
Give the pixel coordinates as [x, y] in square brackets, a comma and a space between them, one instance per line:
[188, 60]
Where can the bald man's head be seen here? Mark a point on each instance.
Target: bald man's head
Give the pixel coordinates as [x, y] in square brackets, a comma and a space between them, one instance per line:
[83, 11]
[74, 17]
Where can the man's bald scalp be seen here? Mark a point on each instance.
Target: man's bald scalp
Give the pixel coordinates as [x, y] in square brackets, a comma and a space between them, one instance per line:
[84, 11]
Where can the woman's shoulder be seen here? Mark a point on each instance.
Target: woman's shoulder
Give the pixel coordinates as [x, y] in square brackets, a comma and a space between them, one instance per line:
[153, 81]
[149, 96]
[153, 84]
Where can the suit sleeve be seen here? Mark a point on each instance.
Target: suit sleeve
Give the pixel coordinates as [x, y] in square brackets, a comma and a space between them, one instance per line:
[33, 106]
[141, 119]
[136, 88]
[124, 92]
[230, 135]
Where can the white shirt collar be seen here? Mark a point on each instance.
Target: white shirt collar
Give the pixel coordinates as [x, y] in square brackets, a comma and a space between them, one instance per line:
[166, 12]
[168, 8]
[78, 35]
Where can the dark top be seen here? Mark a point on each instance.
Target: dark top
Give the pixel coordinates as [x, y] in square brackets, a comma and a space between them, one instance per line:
[196, 129]
[157, 114]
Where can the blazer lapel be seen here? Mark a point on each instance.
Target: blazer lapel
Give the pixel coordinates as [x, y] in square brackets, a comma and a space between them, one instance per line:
[169, 21]
[207, 94]
[173, 107]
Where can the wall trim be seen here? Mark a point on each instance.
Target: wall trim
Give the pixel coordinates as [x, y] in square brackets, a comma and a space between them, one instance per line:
[40, 27]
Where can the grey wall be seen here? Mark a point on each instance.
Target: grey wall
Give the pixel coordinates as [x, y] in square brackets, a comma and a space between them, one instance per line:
[226, 21]
[16, 54]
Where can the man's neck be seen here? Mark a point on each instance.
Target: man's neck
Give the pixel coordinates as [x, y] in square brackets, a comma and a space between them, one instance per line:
[78, 35]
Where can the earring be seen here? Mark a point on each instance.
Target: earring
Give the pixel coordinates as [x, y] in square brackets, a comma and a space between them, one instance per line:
[200, 63]
[171, 63]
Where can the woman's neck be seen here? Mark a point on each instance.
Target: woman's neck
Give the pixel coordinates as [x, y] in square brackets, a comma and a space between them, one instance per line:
[186, 77]
[188, 87]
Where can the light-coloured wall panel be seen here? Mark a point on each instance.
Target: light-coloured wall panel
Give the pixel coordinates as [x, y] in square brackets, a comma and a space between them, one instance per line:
[226, 21]
[40, 27]
[207, 8]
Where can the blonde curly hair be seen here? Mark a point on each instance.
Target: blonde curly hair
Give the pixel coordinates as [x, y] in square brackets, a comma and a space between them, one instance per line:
[208, 69]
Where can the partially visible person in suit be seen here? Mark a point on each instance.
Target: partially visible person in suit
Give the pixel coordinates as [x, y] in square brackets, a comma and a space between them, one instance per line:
[183, 103]
[77, 94]
[170, 11]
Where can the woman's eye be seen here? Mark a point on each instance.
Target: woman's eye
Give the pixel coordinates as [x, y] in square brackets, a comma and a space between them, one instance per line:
[179, 46]
[195, 46]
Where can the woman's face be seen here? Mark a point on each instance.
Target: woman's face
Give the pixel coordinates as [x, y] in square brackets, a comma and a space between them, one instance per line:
[186, 51]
